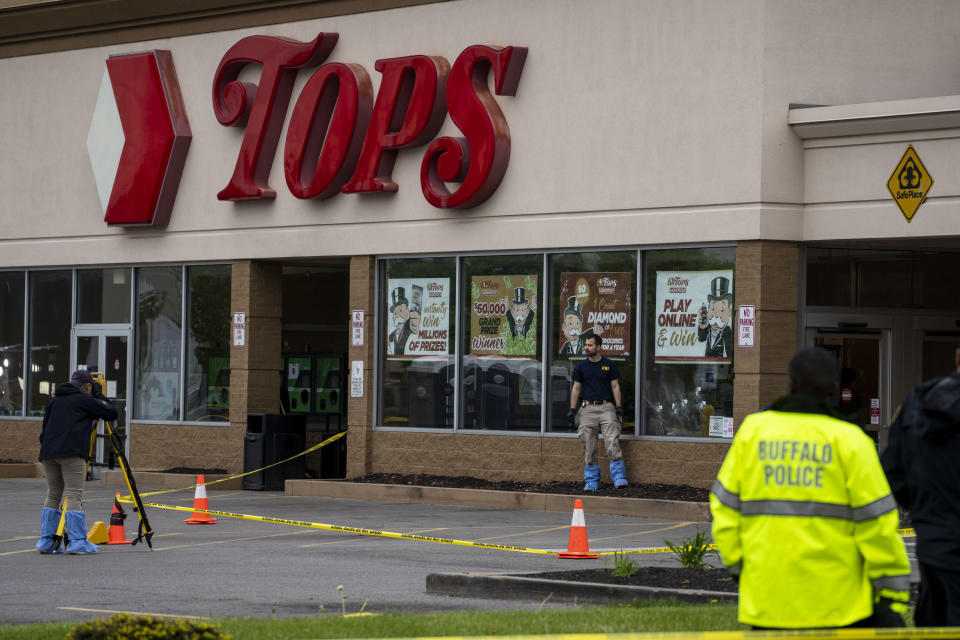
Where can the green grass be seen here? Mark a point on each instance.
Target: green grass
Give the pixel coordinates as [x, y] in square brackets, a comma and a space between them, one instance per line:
[637, 618]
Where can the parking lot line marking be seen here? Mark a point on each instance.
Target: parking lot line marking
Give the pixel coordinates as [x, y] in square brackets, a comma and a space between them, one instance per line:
[630, 535]
[523, 533]
[360, 537]
[201, 544]
[135, 613]
[10, 553]
[20, 538]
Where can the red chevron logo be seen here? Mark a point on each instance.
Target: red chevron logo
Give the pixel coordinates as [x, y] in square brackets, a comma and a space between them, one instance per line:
[138, 139]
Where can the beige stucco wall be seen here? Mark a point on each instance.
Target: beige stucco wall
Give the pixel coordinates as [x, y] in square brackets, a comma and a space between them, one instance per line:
[628, 122]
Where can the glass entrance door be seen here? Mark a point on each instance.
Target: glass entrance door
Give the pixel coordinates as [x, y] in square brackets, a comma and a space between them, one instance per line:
[106, 351]
[863, 355]
[859, 383]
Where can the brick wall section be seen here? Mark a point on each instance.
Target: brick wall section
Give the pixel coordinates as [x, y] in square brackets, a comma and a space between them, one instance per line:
[767, 277]
[360, 410]
[536, 459]
[157, 447]
[19, 441]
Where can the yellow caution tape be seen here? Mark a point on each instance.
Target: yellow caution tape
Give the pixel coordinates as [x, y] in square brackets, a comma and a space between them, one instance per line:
[343, 529]
[929, 633]
[373, 532]
[247, 473]
[388, 534]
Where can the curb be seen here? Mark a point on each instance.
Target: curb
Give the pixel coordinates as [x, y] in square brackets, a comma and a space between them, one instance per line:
[633, 507]
[159, 480]
[21, 470]
[502, 586]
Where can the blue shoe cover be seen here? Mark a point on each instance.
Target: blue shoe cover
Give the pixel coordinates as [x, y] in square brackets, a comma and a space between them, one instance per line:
[591, 477]
[49, 521]
[618, 473]
[77, 532]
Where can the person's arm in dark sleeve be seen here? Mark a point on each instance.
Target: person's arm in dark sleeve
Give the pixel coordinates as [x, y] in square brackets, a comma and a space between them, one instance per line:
[100, 406]
[43, 428]
[892, 459]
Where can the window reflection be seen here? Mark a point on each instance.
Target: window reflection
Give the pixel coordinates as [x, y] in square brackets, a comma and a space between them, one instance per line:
[11, 342]
[51, 302]
[159, 308]
[417, 344]
[502, 368]
[207, 392]
[103, 296]
[592, 294]
[689, 343]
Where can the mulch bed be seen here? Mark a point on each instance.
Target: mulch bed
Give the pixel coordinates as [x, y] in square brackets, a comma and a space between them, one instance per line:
[194, 471]
[667, 577]
[648, 491]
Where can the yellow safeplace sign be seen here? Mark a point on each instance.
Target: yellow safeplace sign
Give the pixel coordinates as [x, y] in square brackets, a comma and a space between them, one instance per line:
[910, 183]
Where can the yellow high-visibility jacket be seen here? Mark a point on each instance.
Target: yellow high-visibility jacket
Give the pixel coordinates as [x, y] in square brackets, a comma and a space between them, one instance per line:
[802, 510]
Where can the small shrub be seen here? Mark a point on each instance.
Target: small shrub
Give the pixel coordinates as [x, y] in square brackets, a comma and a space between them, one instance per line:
[623, 565]
[691, 551]
[123, 626]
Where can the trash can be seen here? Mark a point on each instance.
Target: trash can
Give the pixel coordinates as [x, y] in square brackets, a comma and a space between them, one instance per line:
[273, 437]
[333, 458]
[253, 451]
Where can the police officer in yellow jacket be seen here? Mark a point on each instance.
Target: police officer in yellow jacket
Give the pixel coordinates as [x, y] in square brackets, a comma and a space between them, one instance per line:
[803, 514]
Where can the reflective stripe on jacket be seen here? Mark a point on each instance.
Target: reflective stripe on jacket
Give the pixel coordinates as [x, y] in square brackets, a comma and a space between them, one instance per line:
[801, 508]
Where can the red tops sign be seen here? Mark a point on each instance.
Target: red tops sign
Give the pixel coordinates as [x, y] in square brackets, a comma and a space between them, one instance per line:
[342, 140]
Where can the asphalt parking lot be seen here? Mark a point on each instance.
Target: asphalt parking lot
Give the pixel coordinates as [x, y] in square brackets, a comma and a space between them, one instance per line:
[247, 568]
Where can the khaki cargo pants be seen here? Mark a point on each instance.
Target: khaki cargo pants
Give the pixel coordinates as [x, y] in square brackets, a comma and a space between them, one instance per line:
[599, 418]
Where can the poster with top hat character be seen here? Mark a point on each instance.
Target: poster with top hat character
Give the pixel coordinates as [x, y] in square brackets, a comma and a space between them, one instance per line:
[694, 316]
[595, 304]
[418, 317]
[503, 316]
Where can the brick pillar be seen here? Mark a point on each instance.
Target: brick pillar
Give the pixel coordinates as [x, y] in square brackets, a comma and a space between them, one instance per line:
[255, 375]
[767, 276]
[360, 410]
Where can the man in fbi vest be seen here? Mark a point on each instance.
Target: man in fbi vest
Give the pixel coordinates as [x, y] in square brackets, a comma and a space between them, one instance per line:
[803, 514]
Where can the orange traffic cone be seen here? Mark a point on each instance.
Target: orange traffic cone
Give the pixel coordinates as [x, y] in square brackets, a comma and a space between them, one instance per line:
[200, 502]
[117, 535]
[577, 546]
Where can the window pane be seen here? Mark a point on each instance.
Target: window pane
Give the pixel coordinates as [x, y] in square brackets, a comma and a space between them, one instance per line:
[418, 347]
[51, 299]
[159, 306]
[11, 343]
[689, 342]
[592, 294]
[103, 296]
[502, 369]
[882, 278]
[208, 346]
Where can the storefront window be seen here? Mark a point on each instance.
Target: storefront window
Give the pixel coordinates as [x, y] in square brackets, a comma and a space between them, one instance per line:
[417, 346]
[592, 294]
[207, 392]
[159, 309]
[688, 342]
[11, 342]
[502, 320]
[51, 304]
[103, 296]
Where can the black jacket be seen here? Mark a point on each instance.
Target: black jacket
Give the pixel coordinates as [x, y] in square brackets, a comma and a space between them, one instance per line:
[68, 421]
[922, 463]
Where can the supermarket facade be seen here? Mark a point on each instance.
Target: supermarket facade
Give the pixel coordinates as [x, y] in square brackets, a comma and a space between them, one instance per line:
[403, 218]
